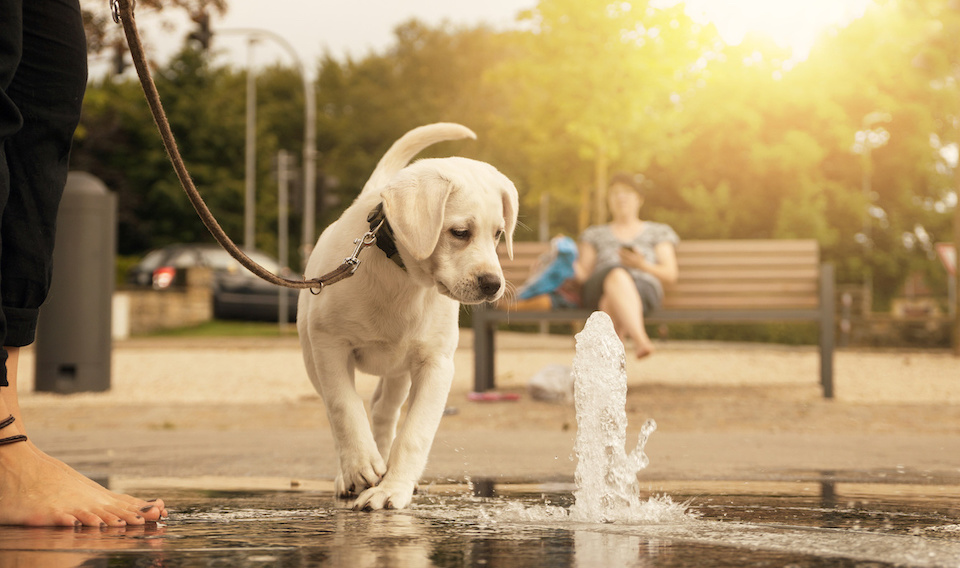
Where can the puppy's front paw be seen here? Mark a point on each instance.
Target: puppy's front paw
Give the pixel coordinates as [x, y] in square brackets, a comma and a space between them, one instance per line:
[358, 472]
[388, 495]
[341, 490]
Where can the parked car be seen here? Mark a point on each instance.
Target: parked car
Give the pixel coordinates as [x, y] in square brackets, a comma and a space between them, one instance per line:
[237, 292]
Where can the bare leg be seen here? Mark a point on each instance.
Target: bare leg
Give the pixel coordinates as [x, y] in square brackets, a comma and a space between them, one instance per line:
[621, 301]
[605, 307]
[38, 490]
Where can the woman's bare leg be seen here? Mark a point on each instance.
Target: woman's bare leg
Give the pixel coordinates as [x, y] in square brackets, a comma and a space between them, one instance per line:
[38, 490]
[621, 301]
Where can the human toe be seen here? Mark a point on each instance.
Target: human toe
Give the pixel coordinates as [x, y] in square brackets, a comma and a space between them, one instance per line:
[159, 510]
[89, 519]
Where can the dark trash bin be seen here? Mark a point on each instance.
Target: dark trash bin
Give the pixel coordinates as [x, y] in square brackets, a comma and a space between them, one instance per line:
[74, 330]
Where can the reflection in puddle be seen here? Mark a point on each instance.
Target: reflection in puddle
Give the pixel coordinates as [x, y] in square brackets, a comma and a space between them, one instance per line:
[726, 523]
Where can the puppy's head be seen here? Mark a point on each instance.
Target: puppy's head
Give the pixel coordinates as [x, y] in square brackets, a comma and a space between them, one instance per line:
[448, 216]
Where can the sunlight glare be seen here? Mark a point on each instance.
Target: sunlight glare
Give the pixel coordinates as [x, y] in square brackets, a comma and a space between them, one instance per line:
[794, 24]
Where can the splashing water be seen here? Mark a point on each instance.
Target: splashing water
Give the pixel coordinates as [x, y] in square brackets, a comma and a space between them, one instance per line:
[606, 476]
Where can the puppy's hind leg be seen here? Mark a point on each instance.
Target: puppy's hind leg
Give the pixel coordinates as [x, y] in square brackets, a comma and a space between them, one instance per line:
[386, 404]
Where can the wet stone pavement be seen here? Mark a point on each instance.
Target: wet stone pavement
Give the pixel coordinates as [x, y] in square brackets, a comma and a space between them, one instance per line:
[751, 467]
[822, 523]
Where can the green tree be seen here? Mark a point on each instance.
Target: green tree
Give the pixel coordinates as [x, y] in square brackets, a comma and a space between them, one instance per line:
[429, 75]
[595, 88]
[104, 35]
[749, 166]
[891, 61]
[739, 141]
[118, 142]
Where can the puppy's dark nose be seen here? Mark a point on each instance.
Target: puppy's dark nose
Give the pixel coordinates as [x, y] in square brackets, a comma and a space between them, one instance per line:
[489, 283]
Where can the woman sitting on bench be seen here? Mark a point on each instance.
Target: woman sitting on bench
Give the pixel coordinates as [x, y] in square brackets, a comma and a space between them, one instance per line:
[624, 264]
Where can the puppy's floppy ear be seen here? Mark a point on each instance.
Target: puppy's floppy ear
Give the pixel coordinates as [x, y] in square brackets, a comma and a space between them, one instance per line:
[511, 205]
[413, 205]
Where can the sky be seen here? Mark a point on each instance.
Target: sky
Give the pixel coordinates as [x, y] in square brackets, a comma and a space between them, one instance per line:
[358, 27]
[354, 27]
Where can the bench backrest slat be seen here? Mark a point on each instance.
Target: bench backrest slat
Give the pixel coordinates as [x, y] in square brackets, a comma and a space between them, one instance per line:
[721, 274]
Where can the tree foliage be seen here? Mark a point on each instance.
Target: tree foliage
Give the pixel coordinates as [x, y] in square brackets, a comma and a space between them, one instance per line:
[851, 146]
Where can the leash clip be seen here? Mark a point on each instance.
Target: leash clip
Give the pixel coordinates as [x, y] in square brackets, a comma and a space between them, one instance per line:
[115, 10]
[366, 240]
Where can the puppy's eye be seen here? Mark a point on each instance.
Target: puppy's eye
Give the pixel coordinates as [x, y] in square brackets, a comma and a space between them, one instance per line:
[462, 234]
[498, 236]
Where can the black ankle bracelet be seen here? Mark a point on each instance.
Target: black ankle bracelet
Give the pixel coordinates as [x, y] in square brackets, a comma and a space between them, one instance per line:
[12, 439]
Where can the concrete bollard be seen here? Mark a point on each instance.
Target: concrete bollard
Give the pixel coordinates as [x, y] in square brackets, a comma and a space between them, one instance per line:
[73, 334]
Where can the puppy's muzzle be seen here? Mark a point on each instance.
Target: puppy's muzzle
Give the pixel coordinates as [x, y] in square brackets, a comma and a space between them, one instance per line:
[489, 284]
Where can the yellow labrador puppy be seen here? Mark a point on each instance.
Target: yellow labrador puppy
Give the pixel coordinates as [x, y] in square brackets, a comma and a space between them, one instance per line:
[396, 318]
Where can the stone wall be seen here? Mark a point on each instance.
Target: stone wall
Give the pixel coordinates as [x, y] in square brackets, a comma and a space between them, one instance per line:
[189, 301]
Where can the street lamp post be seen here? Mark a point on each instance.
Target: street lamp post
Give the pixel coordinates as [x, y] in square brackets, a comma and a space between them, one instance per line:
[250, 154]
[283, 182]
[867, 139]
[308, 238]
[309, 140]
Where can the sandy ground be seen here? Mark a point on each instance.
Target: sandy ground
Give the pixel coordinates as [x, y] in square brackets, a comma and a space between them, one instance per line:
[244, 407]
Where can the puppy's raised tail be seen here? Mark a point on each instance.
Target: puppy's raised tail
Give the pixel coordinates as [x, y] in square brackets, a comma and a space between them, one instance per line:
[409, 145]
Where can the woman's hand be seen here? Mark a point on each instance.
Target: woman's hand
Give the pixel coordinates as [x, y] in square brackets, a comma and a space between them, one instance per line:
[632, 259]
[665, 269]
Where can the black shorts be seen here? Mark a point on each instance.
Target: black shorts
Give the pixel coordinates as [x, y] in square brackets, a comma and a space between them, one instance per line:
[43, 75]
[593, 289]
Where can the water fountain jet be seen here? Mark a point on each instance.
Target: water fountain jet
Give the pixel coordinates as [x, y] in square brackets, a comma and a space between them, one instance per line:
[606, 476]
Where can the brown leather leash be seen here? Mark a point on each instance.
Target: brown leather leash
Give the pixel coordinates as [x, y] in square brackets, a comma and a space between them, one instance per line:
[123, 14]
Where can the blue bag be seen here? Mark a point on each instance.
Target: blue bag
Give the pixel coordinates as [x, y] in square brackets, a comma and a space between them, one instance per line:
[553, 268]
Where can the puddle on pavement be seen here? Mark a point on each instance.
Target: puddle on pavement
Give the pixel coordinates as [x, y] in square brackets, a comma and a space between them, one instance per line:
[486, 524]
[826, 520]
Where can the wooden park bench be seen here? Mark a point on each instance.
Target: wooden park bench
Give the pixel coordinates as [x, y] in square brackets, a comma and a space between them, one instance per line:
[721, 281]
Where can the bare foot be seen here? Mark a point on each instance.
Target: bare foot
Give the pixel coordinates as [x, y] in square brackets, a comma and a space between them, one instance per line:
[644, 348]
[36, 490]
[151, 510]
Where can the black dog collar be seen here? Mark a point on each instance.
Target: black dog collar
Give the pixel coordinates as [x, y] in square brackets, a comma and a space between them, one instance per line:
[385, 241]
